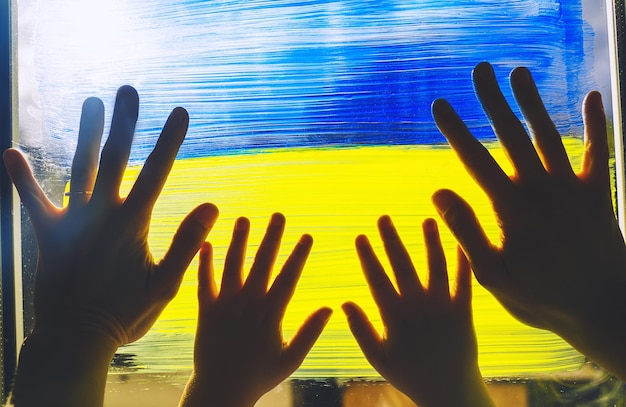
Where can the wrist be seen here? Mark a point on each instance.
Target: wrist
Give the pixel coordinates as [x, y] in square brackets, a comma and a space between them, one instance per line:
[64, 365]
[201, 391]
[460, 389]
[597, 330]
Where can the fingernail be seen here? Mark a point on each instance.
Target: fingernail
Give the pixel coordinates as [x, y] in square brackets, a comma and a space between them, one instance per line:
[179, 115]
[361, 240]
[325, 314]
[522, 75]
[128, 98]
[483, 70]
[441, 106]
[348, 309]
[8, 157]
[443, 200]
[429, 225]
[306, 240]
[385, 221]
[92, 104]
[277, 219]
[242, 223]
[207, 214]
[526, 76]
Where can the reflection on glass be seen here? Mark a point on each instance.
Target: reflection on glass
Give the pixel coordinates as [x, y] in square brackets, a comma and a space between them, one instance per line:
[317, 109]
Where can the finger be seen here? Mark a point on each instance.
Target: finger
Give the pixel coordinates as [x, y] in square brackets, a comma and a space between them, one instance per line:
[463, 286]
[367, 337]
[188, 239]
[481, 166]
[261, 269]
[380, 286]
[158, 165]
[232, 278]
[406, 276]
[438, 287]
[34, 199]
[303, 341]
[285, 283]
[506, 125]
[461, 220]
[207, 290]
[595, 165]
[546, 136]
[85, 162]
[117, 147]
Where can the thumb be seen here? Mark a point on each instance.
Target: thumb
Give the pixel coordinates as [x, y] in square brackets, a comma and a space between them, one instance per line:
[188, 239]
[34, 199]
[466, 228]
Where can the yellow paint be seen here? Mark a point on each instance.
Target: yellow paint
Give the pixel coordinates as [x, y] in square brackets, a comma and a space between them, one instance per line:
[335, 194]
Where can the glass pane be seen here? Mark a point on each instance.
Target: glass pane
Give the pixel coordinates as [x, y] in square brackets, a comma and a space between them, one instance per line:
[317, 109]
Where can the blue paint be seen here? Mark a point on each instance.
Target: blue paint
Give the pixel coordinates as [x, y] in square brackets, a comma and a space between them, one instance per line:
[266, 74]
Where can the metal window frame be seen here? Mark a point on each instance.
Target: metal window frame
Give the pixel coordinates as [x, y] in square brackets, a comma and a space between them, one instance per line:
[8, 298]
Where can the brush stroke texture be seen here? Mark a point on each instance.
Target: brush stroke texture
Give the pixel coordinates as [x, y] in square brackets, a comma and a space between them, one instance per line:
[284, 73]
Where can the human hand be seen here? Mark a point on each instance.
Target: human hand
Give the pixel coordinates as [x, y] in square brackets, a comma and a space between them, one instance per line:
[561, 262]
[96, 281]
[428, 350]
[239, 352]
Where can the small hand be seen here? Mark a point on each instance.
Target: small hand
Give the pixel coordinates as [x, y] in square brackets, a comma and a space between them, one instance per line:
[561, 262]
[428, 350]
[240, 353]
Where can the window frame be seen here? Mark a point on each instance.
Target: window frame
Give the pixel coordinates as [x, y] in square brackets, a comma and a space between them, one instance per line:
[11, 297]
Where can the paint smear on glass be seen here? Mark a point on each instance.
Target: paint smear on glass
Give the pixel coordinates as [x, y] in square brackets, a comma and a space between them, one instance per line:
[336, 194]
[317, 109]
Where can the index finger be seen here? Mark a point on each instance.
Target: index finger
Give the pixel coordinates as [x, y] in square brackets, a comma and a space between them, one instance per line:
[159, 163]
[478, 162]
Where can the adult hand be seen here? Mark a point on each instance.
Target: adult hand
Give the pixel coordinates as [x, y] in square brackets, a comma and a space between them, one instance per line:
[97, 286]
[428, 350]
[561, 261]
[240, 353]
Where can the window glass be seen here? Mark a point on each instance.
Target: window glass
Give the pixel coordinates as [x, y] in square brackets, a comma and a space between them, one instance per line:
[317, 109]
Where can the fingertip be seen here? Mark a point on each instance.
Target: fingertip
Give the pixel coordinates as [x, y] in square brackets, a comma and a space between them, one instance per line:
[10, 157]
[179, 116]
[385, 221]
[127, 99]
[348, 308]
[483, 70]
[127, 91]
[205, 256]
[440, 106]
[324, 314]
[429, 225]
[93, 104]
[593, 100]
[242, 223]
[206, 214]
[521, 75]
[594, 96]
[361, 241]
[205, 249]
[306, 240]
[443, 200]
[277, 219]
